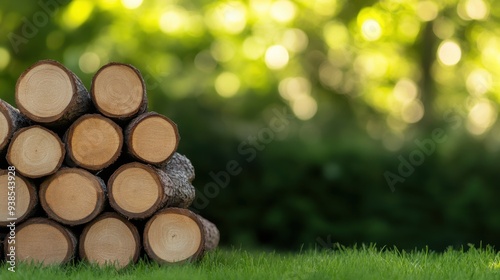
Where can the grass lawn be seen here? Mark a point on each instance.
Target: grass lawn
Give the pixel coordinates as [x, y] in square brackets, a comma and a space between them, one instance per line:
[363, 262]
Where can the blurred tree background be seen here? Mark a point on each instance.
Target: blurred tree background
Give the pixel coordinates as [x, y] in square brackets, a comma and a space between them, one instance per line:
[308, 121]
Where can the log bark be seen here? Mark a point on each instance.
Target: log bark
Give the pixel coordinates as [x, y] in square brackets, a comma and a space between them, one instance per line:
[151, 138]
[118, 91]
[73, 196]
[44, 241]
[25, 197]
[179, 163]
[50, 94]
[10, 121]
[182, 192]
[181, 172]
[174, 235]
[93, 142]
[137, 190]
[212, 234]
[35, 151]
[110, 240]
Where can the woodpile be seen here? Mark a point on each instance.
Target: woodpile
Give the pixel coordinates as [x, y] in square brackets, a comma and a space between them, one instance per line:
[94, 175]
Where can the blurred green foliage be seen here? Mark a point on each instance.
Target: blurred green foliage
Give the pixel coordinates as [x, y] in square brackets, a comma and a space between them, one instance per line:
[363, 80]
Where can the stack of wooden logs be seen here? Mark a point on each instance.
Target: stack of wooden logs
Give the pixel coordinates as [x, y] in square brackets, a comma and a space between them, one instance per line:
[94, 173]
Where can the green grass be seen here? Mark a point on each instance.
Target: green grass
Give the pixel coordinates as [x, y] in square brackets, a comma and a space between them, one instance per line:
[365, 262]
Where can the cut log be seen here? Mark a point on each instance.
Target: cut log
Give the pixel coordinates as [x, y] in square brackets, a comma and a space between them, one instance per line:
[44, 241]
[93, 142]
[35, 151]
[181, 172]
[22, 192]
[212, 235]
[174, 235]
[151, 138]
[118, 91]
[137, 190]
[10, 121]
[51, 94]
[180, 164]
[110, 240]
[73, 196]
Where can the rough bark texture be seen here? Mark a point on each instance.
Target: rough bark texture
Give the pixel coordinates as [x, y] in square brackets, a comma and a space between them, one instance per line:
[180, 164]
[179, 190]
[33, 247]
[15, 121]
[80, 102]
[181, 172]
[129, 130]
[125, 117]
[33, 198]
[176, 190]
[98, 207]
[159, 186]
[212, 235]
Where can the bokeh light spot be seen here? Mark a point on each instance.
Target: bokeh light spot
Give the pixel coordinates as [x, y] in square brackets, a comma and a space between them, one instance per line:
[76, 13]
[336, 35]
[405, 91]
[305, 107]
[449, 53]
[283, 11]
[476, 9]
[412, 112]
[479, 82]
[4, 58]
[89, 62]
[481, 117]
[132, 4]
[427, 10]
[227, 84]
[295, 40]
[234, 17]
[371, 30]
[276, 57]
[294, 87]
[172, 21]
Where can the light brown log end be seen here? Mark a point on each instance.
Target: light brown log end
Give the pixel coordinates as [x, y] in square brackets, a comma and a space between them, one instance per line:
[118, 91]
[24, 192]
[93, 142]
[72, 196]
[44, 241]
[152, 138]
[136, 190]
[110, 240]
[35, 151]
[50, 93]
[174, 235]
